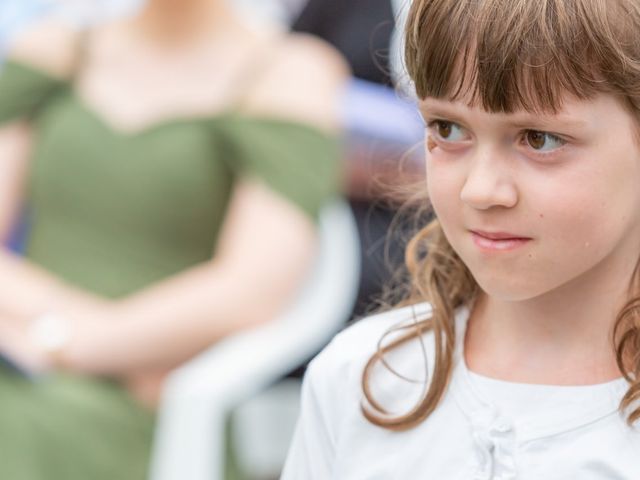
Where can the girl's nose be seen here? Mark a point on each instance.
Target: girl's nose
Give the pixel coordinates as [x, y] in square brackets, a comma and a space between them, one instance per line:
[489, 183]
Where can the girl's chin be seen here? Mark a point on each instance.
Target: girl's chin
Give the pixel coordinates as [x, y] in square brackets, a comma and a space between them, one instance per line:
[508, 291]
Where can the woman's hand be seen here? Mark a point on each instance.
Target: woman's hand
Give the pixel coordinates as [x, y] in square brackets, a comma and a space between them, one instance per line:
[44, 343]
[18, 350]
[27, 290]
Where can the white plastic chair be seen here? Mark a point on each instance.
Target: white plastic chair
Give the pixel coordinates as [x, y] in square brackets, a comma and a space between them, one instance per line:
[190, 441]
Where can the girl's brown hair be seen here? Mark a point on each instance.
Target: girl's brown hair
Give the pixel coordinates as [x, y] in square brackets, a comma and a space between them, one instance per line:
[508, 55]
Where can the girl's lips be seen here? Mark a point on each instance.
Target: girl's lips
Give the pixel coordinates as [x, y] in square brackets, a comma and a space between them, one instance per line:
[497, 241]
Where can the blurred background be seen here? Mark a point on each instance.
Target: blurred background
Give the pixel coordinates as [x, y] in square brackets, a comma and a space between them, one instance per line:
[255, 403]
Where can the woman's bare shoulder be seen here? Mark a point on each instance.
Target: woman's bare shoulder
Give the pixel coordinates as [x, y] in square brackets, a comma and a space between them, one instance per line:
[50, 45]
[303, 82]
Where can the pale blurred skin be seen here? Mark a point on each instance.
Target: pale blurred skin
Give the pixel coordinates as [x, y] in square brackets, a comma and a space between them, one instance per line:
[195, 48]
[548, 307]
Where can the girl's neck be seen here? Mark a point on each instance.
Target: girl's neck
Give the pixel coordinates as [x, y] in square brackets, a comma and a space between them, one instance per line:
[180, 21]
[561, 337]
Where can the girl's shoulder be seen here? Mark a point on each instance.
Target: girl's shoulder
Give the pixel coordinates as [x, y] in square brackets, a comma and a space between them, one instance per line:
[334, 378]
[351, 349]
[376, 325]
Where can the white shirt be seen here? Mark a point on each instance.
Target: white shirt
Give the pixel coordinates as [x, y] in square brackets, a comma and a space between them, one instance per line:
[483, 429]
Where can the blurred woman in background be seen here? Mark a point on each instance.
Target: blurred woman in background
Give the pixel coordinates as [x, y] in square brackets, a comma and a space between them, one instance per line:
[173, 164]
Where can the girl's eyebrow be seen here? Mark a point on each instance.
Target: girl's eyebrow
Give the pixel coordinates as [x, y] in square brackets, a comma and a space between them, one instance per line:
[518, 120]
[427, 110]
[542, 122]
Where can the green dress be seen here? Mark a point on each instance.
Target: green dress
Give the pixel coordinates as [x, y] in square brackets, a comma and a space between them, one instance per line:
[112, 213]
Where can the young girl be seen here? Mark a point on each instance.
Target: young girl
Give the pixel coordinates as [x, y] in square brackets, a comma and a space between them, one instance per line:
[524, 360]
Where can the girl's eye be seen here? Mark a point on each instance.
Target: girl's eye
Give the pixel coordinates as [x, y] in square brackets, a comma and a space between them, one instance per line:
[542, 141]
[447, 131]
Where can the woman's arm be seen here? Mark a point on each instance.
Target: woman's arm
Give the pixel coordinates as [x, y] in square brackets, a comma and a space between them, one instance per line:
[264, 253]
[14, 152]
[265, 250]
[25, 289]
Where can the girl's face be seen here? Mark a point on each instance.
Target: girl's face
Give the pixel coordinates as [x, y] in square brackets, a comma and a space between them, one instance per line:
[533, 202]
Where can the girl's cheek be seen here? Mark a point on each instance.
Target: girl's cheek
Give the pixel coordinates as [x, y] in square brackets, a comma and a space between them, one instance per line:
[443, 177]
[440, 197]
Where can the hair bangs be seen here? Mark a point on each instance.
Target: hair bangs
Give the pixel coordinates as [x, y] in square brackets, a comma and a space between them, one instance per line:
[528, 57]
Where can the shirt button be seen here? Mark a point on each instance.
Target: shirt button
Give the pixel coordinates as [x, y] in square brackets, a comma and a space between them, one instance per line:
[503, 427]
